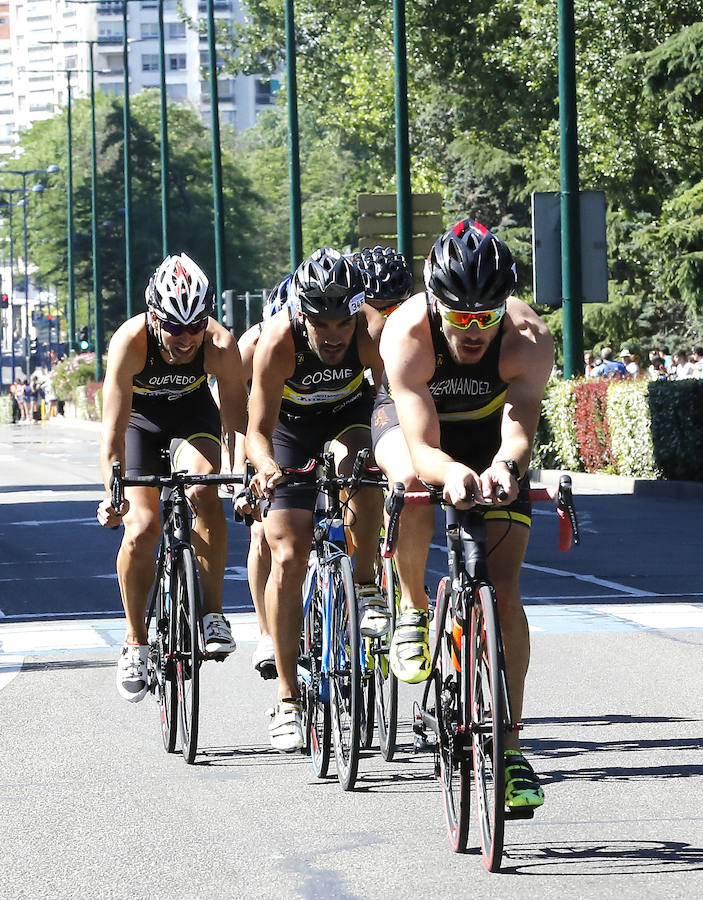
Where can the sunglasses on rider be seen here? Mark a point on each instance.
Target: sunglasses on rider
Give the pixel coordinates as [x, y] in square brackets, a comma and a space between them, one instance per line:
[387, 310]
[175, 328]
[484, 319]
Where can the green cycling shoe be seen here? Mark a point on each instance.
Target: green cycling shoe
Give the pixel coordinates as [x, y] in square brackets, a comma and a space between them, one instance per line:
[522, 787]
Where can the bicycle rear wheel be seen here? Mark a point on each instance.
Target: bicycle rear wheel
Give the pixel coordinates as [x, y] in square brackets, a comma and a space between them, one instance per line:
[162, 649]
[345, 674]
[316, 727]
[186, 596]
[488, 726]
[386, 682]
[453, 753]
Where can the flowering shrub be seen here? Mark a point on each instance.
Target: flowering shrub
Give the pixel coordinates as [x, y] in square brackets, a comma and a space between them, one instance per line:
[630, 428]
[592, 429]
[72, 373]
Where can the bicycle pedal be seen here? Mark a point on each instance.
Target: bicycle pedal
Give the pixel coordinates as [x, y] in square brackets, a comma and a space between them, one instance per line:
[423, 743]
[519, 812]
[268, 672]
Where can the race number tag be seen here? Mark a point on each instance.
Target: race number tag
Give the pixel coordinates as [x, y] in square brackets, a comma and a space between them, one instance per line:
[356, 303]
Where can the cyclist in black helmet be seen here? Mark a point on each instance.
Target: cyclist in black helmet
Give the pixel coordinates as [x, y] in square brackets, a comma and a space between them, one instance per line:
[388, 279]
[308, 388]
[156, 391]
[466, 365]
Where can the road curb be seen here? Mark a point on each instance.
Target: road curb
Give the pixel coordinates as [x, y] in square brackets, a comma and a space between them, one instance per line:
[602, 483]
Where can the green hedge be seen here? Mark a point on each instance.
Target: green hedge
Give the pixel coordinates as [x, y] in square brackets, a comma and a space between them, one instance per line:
[638, 428]
[5, 410]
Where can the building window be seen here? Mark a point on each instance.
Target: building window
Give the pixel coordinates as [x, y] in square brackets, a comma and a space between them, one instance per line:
[176, 62]
[71, 62]
[262, 92]
[150, 62]
[177, 91]
[176, 30]
[149, 30]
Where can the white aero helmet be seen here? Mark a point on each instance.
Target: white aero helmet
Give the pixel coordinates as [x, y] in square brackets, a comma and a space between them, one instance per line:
[179, 291]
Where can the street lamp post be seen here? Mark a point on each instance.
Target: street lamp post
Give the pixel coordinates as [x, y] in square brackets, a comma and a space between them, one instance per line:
[164, 134]
[37, 189]
[218, 206]
[94, 223]
[127, 167]
[11, 293]
[69, 224]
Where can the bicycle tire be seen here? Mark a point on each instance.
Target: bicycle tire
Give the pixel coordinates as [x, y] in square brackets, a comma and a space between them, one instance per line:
[386, 681]
[454, 760]
[368, 697]
[488, 726]
[317, 727]
[187, 599]
[163, 648]
[345, 674]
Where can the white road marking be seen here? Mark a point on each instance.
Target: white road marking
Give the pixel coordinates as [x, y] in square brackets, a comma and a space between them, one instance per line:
[36, 522]
[658, 616]
[10, 667]
[591, 579]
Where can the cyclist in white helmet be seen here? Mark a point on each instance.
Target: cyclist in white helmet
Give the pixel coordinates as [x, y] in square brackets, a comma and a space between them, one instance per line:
[156, 392]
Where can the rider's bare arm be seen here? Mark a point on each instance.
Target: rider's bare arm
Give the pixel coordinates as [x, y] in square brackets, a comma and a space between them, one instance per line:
[526, 360]
[274, 362]
[222, 360]
[409, 359]
[369, 330]
[126, 357]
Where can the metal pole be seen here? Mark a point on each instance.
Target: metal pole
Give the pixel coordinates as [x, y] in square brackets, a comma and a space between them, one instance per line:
[97, 331]
[12, 297]
[402, 148]
[296, 227]
[164, 135]
[218, 209]
[570, 225]
[69, 220]
[26, 277]
[127, 169]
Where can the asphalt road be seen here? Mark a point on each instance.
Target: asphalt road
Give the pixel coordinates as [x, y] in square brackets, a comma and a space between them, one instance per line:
[92, 806]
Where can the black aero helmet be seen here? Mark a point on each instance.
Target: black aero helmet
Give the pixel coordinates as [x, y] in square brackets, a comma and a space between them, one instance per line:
[385, 272]
[469, 268]
[328, 285]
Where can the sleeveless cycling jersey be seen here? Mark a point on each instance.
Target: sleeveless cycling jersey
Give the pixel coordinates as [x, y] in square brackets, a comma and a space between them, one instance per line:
[160, 381]
[317, 387]
[461, 392]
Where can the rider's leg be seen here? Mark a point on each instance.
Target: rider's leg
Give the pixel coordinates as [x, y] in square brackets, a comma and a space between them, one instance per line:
[201, 456]
[365, 505]
[416, 522]
[289, 535]
[135, 559]
[504, 564]
[258, 569]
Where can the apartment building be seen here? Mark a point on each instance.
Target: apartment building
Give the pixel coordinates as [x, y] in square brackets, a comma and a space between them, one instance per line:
[40, 39]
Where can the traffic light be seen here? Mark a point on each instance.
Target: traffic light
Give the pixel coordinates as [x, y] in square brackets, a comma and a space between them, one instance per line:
[84, 338]
[4, 301]
[33, 346]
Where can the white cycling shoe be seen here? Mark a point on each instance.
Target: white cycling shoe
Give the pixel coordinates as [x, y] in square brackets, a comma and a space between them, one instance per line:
[263, 658]
[218, 635]
[286, 727]
[131, 678]
[374, 620]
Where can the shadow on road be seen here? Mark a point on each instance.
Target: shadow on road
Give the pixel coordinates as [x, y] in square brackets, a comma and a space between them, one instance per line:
[602, 858]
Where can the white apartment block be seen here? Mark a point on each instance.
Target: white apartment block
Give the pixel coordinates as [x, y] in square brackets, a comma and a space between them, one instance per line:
[32, 70]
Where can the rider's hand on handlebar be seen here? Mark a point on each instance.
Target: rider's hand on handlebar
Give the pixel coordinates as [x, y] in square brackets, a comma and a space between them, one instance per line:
[493, 479]
[462, 487]
[245, 505]
[264, 482]
[108, 516]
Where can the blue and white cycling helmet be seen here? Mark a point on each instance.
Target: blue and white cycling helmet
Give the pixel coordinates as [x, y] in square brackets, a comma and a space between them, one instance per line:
[278, 298]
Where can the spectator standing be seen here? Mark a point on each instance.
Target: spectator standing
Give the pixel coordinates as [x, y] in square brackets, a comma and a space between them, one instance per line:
[589, 362]
[631, 362]
[657, 369]
[50, 399]
[697, 358]
[681, 368]
[609, 367]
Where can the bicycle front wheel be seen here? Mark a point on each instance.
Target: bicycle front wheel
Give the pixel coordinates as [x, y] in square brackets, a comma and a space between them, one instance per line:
[186, 596]
[386, 682]
[488, 726]
[163, 650]
[317, 725]
[345, 674]
[454, 759]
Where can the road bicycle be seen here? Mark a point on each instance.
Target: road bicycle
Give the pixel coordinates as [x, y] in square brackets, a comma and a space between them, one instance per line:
[465, 710]
[332, 667]
[176, 643]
